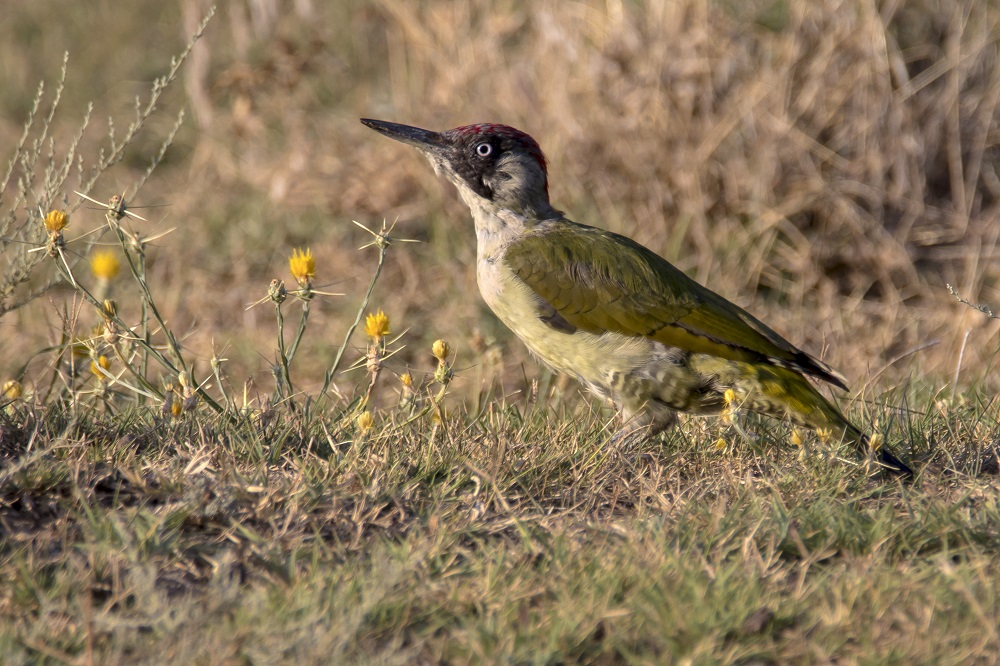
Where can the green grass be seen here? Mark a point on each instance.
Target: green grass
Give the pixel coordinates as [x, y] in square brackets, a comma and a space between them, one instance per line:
[199, 540]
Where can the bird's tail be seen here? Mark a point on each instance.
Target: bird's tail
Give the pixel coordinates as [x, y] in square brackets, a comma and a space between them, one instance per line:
[850, 433]
[885, 458]
[785, 391]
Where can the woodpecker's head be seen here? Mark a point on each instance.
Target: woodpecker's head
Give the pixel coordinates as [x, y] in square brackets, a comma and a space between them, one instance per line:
[492, 165]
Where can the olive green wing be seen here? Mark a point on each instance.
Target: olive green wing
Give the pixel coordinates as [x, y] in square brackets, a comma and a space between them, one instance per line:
[597, 281]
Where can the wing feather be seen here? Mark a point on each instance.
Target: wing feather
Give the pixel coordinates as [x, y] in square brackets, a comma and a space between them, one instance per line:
[598, 281]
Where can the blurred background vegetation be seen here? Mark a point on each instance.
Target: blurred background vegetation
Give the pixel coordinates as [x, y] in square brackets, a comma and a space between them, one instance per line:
[829, 165]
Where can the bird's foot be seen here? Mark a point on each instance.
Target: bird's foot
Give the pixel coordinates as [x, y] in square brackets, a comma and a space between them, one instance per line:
[624, 445]
[628, 436]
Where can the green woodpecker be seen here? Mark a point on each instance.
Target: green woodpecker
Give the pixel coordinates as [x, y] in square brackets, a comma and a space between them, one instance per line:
[616, 316]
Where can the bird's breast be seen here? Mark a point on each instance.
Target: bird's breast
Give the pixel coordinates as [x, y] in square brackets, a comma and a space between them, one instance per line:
[589, 357]
[630, 370]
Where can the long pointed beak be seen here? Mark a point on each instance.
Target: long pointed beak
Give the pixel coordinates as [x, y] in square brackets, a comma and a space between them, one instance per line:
[424, 140]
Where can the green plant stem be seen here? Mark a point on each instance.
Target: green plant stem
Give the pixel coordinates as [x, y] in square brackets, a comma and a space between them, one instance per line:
[144, 317]
[147, 295]
[299, 333]
[285, 377]
[64, 268]
[217, 371]
[382, 247]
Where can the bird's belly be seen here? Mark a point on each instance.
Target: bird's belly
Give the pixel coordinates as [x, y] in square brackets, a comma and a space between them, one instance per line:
[630, 370]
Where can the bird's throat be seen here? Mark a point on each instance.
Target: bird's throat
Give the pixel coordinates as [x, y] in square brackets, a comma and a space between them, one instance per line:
[496, 228]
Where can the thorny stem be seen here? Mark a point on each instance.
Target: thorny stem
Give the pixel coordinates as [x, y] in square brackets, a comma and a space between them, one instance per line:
[382, 248]
[63, 267]
[217, 371]
[379, 350]
[300, 332]
[371, 387]
[147, 296]
[434, 405]
[285, 380]
[144, 322]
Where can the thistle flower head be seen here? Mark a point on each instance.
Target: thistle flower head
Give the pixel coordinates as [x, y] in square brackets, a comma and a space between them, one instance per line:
[407, 396]
[12, 389]
[110, 307]
[110, 333]
[104, 265]
[100, 368]
[441, 350]
[365, 421]
[276, 291]
[875, 441]
[56, 220]
[303, 266]
[377, 325]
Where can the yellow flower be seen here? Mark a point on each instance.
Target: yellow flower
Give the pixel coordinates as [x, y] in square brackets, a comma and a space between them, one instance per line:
[407, 379]
[875, 442]
[303, 266]
[104, 265]
[720, 444]
[729, 396]
[439, 415]
[366, 421]
[12, 389]
[377, 325]
[110, 307]
[441, 350]
[824, 434]
[56, 220]
[796, 437]
[176, 406]
[100, 367]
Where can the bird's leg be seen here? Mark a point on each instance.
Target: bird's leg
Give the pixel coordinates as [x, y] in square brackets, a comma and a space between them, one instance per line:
[640, 425]
[628, 434]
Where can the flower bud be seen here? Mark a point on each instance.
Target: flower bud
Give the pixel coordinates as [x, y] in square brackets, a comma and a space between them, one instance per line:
[276, 291]
[12, 389]
[441, 350]
[365, 421]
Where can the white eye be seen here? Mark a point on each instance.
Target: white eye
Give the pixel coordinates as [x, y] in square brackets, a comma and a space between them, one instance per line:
[484, 150]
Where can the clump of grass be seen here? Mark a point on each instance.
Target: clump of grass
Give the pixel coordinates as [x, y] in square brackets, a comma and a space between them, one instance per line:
[464, 540]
